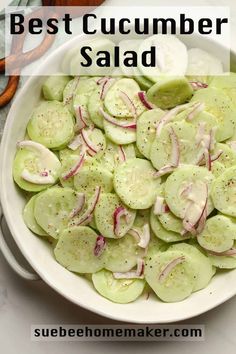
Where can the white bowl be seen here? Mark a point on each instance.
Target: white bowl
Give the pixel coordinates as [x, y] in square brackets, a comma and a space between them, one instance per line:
[39, 254]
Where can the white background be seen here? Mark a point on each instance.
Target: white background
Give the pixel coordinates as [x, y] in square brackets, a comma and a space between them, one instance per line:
[24, 303]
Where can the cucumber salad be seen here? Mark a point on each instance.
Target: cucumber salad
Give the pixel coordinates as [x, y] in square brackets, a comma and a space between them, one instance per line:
[133, 179]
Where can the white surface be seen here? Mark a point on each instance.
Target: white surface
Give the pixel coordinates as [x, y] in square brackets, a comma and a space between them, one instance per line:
[22, 304]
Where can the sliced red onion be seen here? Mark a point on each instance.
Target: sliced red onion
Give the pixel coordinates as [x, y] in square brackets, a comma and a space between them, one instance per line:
[105, 87]
[230, 252]
[164, 170]
[207, 158]
[117, 215]
[87, 216]
[75, 169]
[200, 132]
[80, 118]
[91, 146]
[216, 156]
[135, 233]
[37, 179]
[129, 103]
[212, 138]
[143, 98]
[175, 153]
[170, 266]
[110, 119]
[198, 108]
[160, 206]
[144, 237]
[202, 221]
[75, 143]
[99, 246]
[122, 155]
[133, 274]
[101, 80]
[167, 117]
[79, 206]
[196, 85]
[186, 190]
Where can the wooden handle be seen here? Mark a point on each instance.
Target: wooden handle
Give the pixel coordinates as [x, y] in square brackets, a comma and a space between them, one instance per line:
[9, 91]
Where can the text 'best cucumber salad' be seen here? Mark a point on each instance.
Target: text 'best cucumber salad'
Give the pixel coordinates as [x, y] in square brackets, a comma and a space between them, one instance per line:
[134, 178]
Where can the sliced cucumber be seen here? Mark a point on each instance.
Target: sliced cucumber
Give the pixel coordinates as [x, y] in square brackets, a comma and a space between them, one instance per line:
[75, 250]
[68, 93]
[91, 176]
[142, 218]
[178, 284]
[164, 234]
[104, 212]
[170, 92]
[121, 255]
[116, 106]
[218, 235]
[135, 184]
[146, 130]
[121, 291]
[54, 86]
[67, 164]
[223, 262]
[176, 183]
[34, 160]
[53, 208]
[161, 150]
[170, 222]
[83, 91]
[224, 192]
[94, 104]
[217, 168]
[228, 156]
[51, 124]
[202, 264]
[217, 103]
[29, 219]
[119, 135]
[226, 83]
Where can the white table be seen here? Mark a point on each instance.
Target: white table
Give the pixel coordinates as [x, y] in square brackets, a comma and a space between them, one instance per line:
[24, 303]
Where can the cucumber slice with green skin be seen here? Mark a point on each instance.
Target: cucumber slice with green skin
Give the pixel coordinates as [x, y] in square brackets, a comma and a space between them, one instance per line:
[170, 92]
[54, 86]
[226, 83]
[164, 234]
[121, 291]
[94, 104]
[172, 58]
[83, 92]
[143, 82]
[67, 164]
[146, 130]
[69, 91]
[217, 168]
[161, 149]
[119, 135]
[176, 183]
[224, 192]
[135, 184]
[121, 255]
[155, 246]
[29, 219]
[51, 124]
[228, 156]
[178, 284]
[210, 121]
[53, 208]
[218, 234]
[142, 218]
[223, 262]
[202, 264]
[114, 153]
[91, 176]
[170, 222]
[33, 162]
[217, 103]
[98, 140]
[75, 250]
[104, 219]
[114, 103]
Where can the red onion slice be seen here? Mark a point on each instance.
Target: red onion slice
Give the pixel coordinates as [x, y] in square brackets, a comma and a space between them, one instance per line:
[216, 156]
[80, 114]
[212, 138]
[122, 155]
[110, 119]
[99, 246]
[91, 146]
[175, 152]
[105, 87]
[101, 80]
[207, 158]
[200, 132]
[87, 216]
[129, 103]
[79, 206]
[75, 169]
[196, 85]
[170, 266]
[75, 143]
[197, 108]
[117, 215]
[144, 237]
[143, 98]
[133, 274]
[230, 252]
[164, 170]
[135, 233]
[160, 206]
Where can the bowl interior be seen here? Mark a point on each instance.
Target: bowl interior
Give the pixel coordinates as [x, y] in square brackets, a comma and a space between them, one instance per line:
[39, 253]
